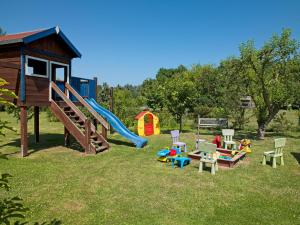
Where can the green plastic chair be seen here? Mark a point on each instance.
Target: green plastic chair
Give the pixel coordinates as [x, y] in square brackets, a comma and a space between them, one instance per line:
[206, 152]
[279, 144]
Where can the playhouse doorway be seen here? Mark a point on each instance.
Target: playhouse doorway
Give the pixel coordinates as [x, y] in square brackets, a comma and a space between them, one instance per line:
[149, 128]
[60, 75]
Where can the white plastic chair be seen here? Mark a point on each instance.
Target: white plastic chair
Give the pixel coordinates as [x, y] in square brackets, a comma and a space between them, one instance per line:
[227, 135]
[175, 140]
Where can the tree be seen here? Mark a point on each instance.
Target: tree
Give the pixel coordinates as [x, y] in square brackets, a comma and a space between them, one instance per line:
[126, 105]
[11, 209]
[4, 95]
[208, 88]
[164, 74]
[235, 87]
[152, 91]
[103, 94]
[273, 74]
[180, 93]
[2, 32]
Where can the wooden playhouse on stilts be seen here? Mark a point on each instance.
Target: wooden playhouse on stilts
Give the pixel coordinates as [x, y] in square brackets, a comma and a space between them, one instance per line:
[38, 67]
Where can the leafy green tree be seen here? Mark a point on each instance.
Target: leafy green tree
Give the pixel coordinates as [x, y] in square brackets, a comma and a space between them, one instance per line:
[272, 73]
[153, 92]
[126, 105]
[234, 87]
[164, 74]
[4, 95]
[103, 94]
[180, 95]
[208, 88]
[2, 32]
[12, 209]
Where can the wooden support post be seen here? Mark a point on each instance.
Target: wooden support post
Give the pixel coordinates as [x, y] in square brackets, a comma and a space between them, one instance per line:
[37, 124]
[104, 132]
[111, 106]
[23, 123]
[66, 137]
[87, 125]
[96, 87]
[96, 92]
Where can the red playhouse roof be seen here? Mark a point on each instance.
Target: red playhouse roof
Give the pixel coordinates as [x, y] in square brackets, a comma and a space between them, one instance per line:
[31, 36]
[10, 37]
[141, 114]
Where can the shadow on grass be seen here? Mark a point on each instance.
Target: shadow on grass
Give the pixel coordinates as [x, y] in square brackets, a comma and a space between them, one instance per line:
[46, 141]
[120, 142]
[277, 135]
[296, 155]
[168, 131]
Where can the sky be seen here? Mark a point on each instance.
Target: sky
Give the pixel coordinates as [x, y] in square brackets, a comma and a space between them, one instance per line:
[126, 42]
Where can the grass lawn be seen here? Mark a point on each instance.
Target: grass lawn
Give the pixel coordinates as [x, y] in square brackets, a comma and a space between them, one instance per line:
[128, 186]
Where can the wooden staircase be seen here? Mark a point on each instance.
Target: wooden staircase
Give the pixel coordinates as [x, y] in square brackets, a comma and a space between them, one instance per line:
[77, 124]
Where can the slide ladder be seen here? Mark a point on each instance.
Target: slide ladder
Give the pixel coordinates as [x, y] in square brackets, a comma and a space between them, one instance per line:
[118, 126]
[76, 123]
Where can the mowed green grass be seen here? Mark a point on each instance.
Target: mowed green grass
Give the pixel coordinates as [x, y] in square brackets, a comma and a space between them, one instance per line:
[128, 186]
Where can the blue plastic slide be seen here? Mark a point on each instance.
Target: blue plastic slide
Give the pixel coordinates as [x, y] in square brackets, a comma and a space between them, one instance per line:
[117, 124]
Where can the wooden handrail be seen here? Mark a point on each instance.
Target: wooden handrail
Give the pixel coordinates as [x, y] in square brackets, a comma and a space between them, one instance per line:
[86, 105]
[68, 101]
[68, 123]
[71, 104]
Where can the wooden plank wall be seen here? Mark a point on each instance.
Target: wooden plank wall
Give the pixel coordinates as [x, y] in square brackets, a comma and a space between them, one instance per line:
[37, 91]
[8, 73]
[37, 88]
[54, 45]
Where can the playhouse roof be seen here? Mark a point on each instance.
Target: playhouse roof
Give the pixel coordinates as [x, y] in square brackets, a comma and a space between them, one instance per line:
[28, 37]
[141, 114]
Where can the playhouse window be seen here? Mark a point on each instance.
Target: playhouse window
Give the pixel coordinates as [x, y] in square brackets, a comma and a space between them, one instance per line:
[36, 67]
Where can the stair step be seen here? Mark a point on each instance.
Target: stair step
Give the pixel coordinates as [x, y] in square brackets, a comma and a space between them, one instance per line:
[97, 142]
[75, 119]
[94, 136]
[67, 108]
[74, 116]
[100, 149]
[69, 112]
[79, 122]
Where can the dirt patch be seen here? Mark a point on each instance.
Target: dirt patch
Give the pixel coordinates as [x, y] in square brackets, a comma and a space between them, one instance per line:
[74, 206]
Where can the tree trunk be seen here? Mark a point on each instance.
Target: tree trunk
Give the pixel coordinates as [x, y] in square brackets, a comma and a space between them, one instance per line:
[261, 131]
[180, 123]
[242, 119]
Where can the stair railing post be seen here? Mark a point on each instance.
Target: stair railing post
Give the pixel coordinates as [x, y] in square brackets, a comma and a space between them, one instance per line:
[104, 132]
[87, 125]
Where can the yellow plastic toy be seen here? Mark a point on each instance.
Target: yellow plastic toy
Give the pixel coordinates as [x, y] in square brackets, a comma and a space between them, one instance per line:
[245, 145]
[148, 124]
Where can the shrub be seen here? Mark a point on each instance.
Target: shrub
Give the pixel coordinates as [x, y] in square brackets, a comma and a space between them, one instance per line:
[50, 116]
[281, 123]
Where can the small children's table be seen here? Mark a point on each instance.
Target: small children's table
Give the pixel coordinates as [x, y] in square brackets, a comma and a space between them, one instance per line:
[181, 161]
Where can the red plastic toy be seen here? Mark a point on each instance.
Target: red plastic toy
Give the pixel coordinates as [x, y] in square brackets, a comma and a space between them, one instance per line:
[217, 141]
[172, 152]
